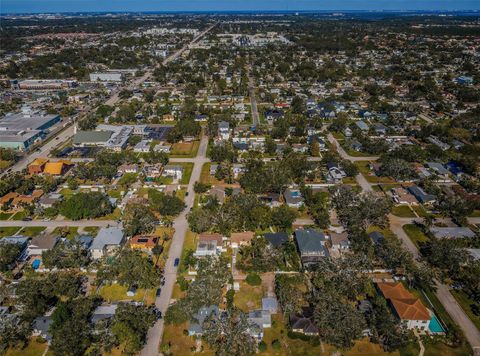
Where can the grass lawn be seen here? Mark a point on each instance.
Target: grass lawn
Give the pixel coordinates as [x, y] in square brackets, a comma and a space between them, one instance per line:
[92, 230]
[117, 292]
[5, 216]
[368, 174]
[184, 149]
[177, 343]
[249, 297]
[403, 211]
[190, 243]
[114, 193]
[115, 215]
[415, 233]
[466, 303]
[8, 230]
[162, 231]
[34, 348]
[67, 232]
[66, 192]
[20, 215]
[476, 214]
[187, 172]
[420, 210]
[32, 230]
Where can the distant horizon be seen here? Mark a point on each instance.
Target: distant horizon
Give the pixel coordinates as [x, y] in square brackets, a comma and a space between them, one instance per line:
[232, 6]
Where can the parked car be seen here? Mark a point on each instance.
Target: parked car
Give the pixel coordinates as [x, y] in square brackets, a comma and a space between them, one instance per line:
[159, 290]
[176, 263]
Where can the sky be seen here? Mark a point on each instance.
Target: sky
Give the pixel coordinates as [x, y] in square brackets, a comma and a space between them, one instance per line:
[38, 6]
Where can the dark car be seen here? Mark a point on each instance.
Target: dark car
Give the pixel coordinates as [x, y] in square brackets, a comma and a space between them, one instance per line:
[27, 219]
[177, 261]
[159, 314]
[159, 290]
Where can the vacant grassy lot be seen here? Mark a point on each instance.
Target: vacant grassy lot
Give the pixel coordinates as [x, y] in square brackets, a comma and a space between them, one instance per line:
[67, 232]
[249, 297]
[403, 211]
[33, 348]
[20, 215]
[369, 175]
[415, 233]
[8, 231]
[184, 149]
[32, 230]
[117, 292]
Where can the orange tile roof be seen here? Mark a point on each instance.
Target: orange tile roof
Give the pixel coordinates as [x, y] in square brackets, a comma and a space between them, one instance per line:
[394, 290]
[54, 168]
[410, 309]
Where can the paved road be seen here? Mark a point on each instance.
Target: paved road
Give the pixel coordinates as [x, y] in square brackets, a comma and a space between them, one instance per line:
[69, 131]
[44, 150]
[442, 292]
[154, 336]
[345, 155]
[58, 223]
[253, 100]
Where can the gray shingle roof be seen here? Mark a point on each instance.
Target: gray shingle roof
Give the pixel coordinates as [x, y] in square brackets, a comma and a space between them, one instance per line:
[310, 240]
[107, 236]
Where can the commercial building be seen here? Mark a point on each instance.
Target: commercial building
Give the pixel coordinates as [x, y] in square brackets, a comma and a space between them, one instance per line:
[106, 77]
[48, 84]
[19, 131]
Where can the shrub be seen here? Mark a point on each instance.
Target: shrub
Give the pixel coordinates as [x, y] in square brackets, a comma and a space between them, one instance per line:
[276, 344]
[254, 279]
[262, 346]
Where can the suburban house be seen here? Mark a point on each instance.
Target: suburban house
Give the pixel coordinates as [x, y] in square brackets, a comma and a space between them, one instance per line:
[224, 130]
[41, 326]
[103, 312]
[421, 195]
[402, 196]
[47, 201]
[262, 319]
[311, 245]
[362, 126]
[270, 304]
[218, 193]
[408, 308]
[195, 327]
[209, 245]
[36, 167]
[19, 240]
[39, 244]
[339, 242]
[16, 200]
[108, 240]
[335, 173]
[238, 239]
[303, 323]
[276, 239]
[293, 197]
[452, 232]
[174, 171]
[143, 242]
[127, 168]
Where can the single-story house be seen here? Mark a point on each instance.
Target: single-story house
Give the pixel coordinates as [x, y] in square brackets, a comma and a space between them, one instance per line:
[270, 304]
[39, 244]
[421, 195]
[452, 232]
[293, 197]
[103, 312]
[143, 242]
[108, 239]
[195, 327]
[303, 322]
[276, 239]
[402, 196]
[238, 239]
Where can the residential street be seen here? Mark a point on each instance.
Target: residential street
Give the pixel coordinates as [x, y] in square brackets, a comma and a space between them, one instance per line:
[58, 223]
[154, 336]
[396, 225]
[253, 100]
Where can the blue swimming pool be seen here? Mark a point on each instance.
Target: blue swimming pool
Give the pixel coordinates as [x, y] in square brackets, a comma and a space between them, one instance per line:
[434, 326]
[36, 263]
[295, 194]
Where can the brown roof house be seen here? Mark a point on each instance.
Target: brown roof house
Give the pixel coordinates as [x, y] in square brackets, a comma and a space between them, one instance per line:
[39, 244]
[409, 309]
[241, 238]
